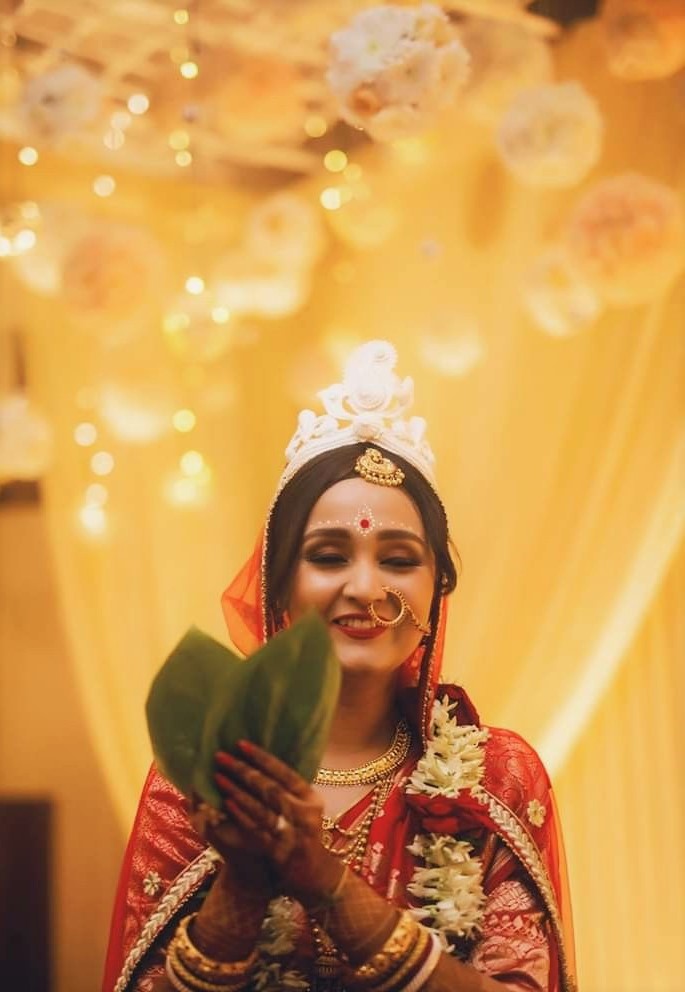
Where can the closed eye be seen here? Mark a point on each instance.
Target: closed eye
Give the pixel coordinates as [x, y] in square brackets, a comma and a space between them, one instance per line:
[401, 562]
[325, 559]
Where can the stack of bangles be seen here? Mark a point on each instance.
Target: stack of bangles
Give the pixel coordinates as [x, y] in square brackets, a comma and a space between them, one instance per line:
[406, 961]
[189, 970]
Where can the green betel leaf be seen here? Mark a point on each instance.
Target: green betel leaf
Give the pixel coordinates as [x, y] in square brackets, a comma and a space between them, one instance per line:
[198, 670]
[205, 698]
[293, 690]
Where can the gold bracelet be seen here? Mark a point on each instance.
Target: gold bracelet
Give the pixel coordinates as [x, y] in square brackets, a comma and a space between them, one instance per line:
[396, 948]
[193, 982]
[206, 967]
[399, 976]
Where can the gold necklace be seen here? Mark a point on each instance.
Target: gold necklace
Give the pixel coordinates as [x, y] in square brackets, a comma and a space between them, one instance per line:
[356, 838]
[375, 770]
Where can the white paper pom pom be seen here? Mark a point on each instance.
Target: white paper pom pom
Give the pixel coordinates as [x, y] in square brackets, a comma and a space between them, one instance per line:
[551, 135]
[645, 39]
[505, 59]
[559, 299]
[112, 273]
[286, 229]
[393, 69]
[627, 236]
[60, 102]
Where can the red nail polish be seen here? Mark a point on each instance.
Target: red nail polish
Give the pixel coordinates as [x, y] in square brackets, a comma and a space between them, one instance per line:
[224, 783]
[224, 759]
[246, 746]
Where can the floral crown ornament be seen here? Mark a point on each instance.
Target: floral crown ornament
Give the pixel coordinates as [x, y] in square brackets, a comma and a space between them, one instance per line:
[370, 404]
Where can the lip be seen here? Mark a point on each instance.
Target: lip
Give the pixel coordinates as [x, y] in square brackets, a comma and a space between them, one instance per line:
[357, 633]
[360, 633]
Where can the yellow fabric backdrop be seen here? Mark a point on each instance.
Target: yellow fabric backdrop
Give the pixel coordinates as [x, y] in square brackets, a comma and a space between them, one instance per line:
[561, 462]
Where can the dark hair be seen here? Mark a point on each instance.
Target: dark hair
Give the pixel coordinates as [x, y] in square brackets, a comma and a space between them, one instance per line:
[294, 504]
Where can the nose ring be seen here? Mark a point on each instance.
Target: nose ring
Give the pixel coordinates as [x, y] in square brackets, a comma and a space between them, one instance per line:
[405, 610]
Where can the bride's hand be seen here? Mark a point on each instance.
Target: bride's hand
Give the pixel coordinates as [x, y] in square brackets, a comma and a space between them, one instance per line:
[273, 811]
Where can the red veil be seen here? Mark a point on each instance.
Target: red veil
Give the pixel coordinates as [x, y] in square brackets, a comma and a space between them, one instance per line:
[165, 855]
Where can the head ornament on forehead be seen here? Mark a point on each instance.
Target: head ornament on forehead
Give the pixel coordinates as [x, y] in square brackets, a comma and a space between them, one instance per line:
[370, 404]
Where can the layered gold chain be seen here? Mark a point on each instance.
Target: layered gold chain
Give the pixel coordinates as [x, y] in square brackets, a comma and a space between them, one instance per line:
[375, 770]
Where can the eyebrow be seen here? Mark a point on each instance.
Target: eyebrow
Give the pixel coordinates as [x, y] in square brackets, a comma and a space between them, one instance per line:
[393, 534]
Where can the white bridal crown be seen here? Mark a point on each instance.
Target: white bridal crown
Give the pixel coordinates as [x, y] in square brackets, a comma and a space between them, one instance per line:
[368, 405]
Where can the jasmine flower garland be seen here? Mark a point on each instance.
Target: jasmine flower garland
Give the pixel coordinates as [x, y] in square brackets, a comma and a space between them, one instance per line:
[277, 939]
[451, 881]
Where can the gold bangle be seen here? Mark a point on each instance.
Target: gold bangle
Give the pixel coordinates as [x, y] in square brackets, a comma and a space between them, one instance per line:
[193, 958]
[194, 982]
[396, 948]
[397, 979]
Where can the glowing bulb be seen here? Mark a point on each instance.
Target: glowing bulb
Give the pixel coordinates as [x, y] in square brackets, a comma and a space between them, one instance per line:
[104, 186]
[181, 16]
[183, 158]
[27, 155]
[85, 434]
[221, 315]
[189, 69]
[138, 103]
[102, 463]
[192, 463]
[120, 120]
[335, 161]
[184, 421]
[195, 285]
[93, 519]
[114, 139]
[315, 126]
[23, 241]
[178, 140]
[331, 198]
[97, 494]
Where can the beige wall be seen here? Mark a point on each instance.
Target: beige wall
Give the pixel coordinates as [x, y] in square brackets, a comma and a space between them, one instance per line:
[45, 751]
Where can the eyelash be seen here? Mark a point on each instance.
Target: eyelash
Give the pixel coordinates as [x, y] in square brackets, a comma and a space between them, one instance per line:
[332, 560]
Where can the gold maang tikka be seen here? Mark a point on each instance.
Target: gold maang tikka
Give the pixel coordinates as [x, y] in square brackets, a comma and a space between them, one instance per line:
[375, 467]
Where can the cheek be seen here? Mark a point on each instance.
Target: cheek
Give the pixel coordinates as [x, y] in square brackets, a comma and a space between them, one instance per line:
[309, 588]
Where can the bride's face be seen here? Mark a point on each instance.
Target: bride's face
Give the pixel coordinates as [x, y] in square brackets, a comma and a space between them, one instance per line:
[360, 537]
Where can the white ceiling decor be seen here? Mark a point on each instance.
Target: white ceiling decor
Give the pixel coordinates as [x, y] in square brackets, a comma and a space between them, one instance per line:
[212, 89]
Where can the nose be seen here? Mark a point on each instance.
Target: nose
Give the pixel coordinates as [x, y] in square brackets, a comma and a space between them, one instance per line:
[364, 583]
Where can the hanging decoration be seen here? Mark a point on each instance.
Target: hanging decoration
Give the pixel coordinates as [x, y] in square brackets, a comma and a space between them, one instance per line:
[137, 412]
[645, 39]
[558, 297]
[58, 228]
[112, 273]
[26, 439]
[627, 237]
[286, 230]
[505, 59]
[60, 102]
[551, 136]
[394, 69]
[247, 285]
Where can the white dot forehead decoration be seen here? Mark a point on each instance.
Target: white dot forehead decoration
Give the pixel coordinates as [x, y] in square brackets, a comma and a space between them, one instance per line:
[364, 523]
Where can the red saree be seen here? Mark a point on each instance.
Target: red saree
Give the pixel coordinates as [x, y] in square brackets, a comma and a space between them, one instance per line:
[525, 940]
